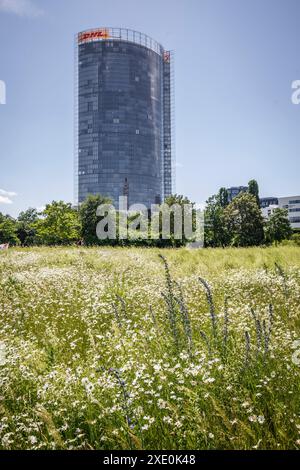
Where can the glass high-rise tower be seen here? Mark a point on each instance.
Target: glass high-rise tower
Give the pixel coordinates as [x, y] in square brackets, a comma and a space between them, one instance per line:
[124, 117]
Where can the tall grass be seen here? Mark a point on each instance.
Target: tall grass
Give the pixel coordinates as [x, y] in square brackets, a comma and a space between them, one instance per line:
[142, 349]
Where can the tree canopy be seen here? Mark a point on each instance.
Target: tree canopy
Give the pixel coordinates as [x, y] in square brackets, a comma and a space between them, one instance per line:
[253, 189]
[278, 226]
[8, 230]
[89, 219]
[244, 221]
[236, 223]
[59, 224]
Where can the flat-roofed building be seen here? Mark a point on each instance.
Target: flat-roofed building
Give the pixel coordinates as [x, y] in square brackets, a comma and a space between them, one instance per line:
[292, 204]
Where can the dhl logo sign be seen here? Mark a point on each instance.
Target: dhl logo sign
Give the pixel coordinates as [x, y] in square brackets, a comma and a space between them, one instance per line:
[91, 35]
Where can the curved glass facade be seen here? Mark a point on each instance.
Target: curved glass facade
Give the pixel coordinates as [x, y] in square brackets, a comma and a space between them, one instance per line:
[123, 133]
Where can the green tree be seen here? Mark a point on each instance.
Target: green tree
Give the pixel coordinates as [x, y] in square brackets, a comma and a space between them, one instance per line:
[253, 189]
[8, 230]
[278, 226]
[180, 201]
[244, 221]
[89, 219]
[223, 197]
[59, 225]
[215, 231]
[296, 238]
[25, 227]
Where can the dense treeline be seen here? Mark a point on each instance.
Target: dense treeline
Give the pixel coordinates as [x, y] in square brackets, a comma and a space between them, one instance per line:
[227, 223]
[240, 222]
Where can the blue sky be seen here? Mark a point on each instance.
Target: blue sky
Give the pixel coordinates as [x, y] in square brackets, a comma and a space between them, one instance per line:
[235, 63]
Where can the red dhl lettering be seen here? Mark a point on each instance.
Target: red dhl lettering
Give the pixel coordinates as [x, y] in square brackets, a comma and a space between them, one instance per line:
[99, 34]
[167, 57]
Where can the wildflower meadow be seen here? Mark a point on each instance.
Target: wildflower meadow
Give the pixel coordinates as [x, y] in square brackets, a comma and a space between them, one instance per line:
[134, 348]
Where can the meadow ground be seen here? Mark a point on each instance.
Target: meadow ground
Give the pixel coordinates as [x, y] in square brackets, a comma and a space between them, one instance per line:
[107, 348]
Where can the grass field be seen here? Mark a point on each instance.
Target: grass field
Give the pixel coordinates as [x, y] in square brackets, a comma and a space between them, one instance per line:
[118, 349]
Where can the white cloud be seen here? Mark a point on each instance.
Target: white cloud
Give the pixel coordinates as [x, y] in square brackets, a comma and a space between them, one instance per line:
[5, 196]
[7, 193]
[20, 8]
[5, 200]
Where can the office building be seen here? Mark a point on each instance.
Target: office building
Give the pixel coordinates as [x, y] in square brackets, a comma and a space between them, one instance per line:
[290, 203]
[268, 201]
[235, 191]
[124, 139]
